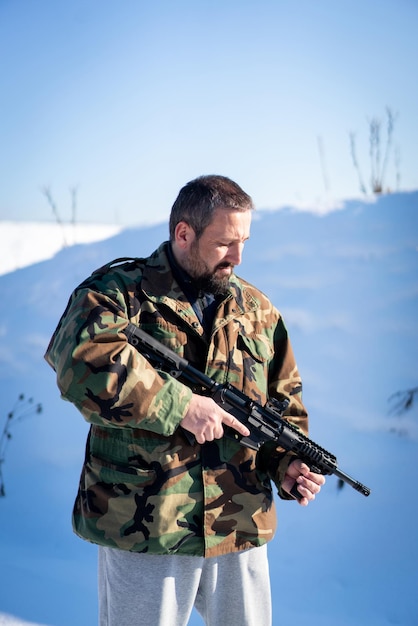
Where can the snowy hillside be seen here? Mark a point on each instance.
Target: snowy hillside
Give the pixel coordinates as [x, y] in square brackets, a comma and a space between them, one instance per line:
[24, 243]
[9, 620]
[347, 285]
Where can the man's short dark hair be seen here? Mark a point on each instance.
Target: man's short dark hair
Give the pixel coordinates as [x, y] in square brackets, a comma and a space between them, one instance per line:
[200, 197]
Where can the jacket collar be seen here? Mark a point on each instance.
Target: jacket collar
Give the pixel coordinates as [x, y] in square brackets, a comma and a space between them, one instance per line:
[160, 286]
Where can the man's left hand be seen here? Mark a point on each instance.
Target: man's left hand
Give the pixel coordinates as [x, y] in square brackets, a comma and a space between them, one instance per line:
[308, 483]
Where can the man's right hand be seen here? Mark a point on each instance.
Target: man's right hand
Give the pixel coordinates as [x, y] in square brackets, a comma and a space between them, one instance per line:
[205, 419]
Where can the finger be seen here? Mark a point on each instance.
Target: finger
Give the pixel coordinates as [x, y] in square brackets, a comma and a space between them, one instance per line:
[210, 432]
[200, 438]
[296, 468]
[298, 495]
[305, 494]
[218, 432]
[314, 477]
[305, 469]
[318, 479]
[308, 486]
[230, 420]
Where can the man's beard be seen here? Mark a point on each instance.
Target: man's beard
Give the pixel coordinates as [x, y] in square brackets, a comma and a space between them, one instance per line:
[216, 285]
[203, 278]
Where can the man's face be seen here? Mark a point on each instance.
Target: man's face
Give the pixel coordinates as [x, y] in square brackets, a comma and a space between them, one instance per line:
[212, 258]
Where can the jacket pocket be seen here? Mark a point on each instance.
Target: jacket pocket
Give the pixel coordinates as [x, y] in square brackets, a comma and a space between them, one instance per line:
[255, 355]
[99, 471]
[260, 350]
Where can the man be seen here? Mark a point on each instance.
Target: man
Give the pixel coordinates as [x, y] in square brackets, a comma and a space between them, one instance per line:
[181, 521]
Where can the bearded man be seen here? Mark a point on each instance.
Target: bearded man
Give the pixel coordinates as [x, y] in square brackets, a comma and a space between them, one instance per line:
[181, 520]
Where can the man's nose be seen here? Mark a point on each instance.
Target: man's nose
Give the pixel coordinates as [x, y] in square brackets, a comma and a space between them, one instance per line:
[235, 253]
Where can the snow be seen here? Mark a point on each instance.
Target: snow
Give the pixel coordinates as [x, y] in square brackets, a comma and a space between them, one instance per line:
[22, 244]
[347, 286]
[9, 620]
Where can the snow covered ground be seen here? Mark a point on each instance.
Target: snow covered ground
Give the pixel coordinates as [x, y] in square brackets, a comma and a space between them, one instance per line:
[24, 243]
[9, 620]
[347, 285]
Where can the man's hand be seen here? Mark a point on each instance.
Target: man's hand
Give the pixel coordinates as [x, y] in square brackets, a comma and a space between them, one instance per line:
[205, 419]
[308, 483]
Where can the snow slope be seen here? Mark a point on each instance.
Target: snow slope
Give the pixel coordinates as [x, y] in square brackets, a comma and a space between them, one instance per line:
[347, 285]
[22, 244]
[9, 620]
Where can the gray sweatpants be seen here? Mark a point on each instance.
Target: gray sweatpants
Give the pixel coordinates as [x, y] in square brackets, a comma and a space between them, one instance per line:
[151, 590]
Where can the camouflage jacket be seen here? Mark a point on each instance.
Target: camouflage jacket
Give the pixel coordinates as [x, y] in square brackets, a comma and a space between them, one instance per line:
[144, 487]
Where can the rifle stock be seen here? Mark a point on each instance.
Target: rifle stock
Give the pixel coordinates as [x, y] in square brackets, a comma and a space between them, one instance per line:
[265, 423]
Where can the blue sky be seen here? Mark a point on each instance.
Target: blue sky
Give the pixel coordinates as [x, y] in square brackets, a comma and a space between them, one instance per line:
[126, 101]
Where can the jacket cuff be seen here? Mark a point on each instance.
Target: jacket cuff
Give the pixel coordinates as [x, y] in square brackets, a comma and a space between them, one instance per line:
[274, 461]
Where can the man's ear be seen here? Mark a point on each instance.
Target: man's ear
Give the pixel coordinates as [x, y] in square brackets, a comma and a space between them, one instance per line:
[184, 235]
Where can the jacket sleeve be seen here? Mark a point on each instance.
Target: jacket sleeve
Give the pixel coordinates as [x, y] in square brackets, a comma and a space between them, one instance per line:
[103, 375]
[284, 378]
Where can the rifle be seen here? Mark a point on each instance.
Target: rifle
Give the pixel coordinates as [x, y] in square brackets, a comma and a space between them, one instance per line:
[265, 423]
